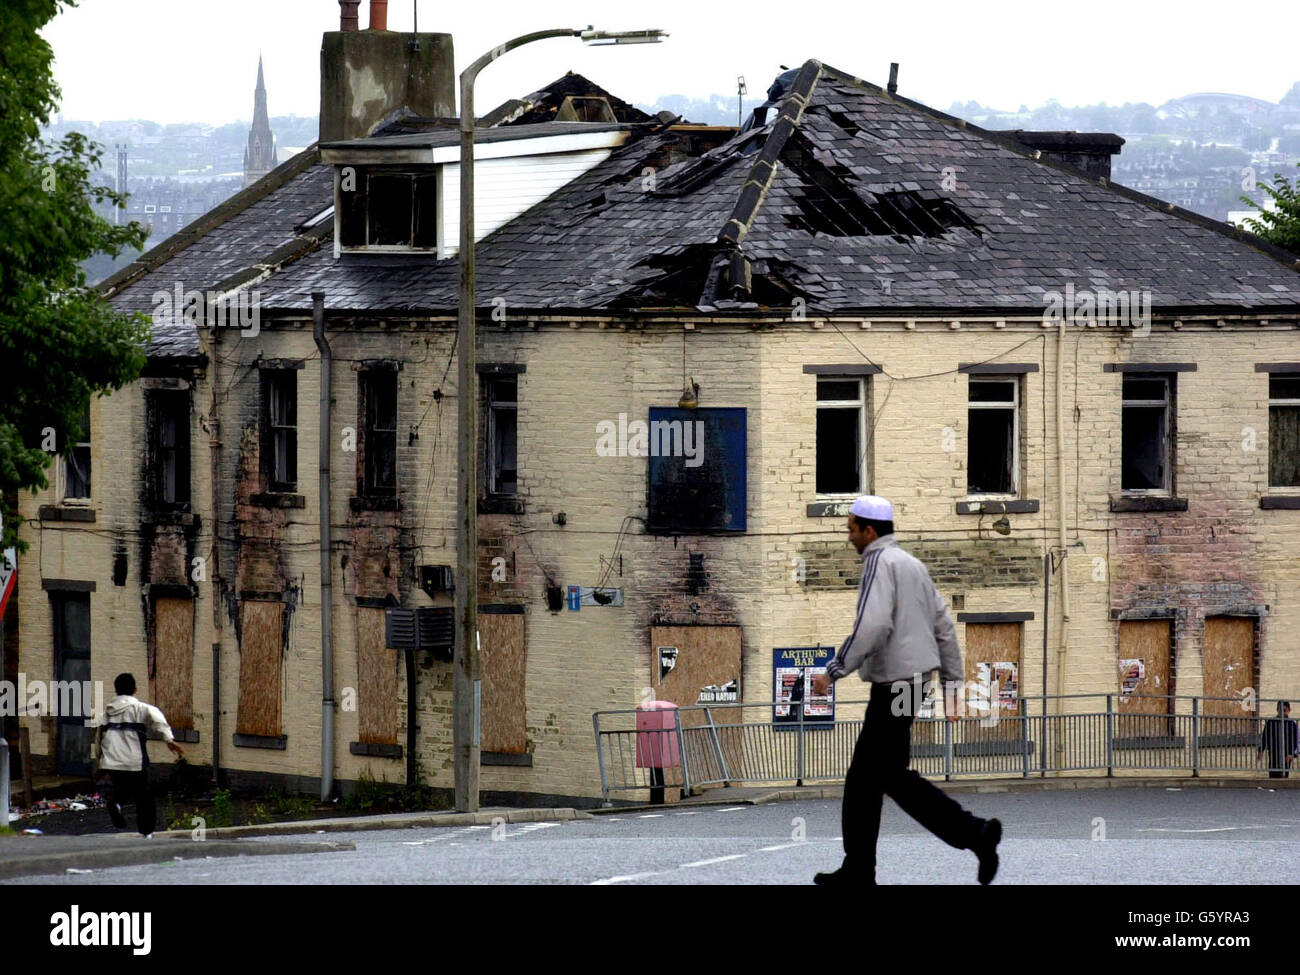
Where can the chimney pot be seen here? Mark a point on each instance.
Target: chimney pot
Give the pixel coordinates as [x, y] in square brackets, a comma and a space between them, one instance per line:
[348, 14]
[379, 14]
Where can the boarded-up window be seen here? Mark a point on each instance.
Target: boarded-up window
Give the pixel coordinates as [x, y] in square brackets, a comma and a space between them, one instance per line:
[1146, 680]
[504, 662]
[993, 679]
[1229, 673]
[705, 657]
[376, 679]
[173, 634]
[260, 658]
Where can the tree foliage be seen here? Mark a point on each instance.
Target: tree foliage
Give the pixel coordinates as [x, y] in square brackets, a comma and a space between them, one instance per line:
[1280, 225]
[60, 342]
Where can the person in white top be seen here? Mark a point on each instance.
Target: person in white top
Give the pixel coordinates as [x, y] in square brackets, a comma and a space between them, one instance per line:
[125, 757]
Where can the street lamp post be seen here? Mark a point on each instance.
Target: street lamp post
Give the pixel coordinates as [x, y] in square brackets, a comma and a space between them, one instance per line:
[466, 669]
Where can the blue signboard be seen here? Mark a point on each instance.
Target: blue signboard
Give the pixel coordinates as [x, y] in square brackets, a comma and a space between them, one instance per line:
[575, 598]
[793, 670]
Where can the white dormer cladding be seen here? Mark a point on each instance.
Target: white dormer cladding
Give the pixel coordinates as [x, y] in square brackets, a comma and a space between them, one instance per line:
[510, 175]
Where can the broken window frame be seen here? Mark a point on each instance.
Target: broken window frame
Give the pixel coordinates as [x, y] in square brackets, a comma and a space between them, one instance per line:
[279, 431]
[363, 175]
[1014, 407]
[169, 410]
[864, 432]
[76, 466]
[493, 406]
[1289, 403]
[1167, 404]
[376, 438]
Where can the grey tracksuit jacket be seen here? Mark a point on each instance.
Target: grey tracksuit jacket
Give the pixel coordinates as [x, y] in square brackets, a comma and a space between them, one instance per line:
[902, 627]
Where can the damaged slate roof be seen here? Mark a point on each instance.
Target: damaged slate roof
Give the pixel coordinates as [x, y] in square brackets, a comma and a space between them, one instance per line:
[849, 197]
[256, 229]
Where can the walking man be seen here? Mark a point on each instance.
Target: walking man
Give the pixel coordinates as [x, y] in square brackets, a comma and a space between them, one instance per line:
[123, 754]
[902, 630]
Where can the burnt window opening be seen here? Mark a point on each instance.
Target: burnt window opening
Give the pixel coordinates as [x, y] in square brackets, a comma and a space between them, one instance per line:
[280, 430]
[169, 413]
[992, 444]
[76, 462]
[378, 446]
[502, 432]
[697, 469]
[387, 209]
[1284, 429]
[842, 435]
[1148, 441]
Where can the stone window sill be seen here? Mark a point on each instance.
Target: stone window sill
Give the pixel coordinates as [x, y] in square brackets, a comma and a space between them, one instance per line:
[272, 499]
[375, 502]
[59, 512]
[275, 742]
[506, 758]
[187, 736]
[1144, 503]
[374, 749]
[995, 506]
[501, 505]
[830, 508]
[1280, 502]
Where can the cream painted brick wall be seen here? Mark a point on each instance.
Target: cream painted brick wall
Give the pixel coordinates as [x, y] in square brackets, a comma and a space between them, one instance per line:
[599, 658]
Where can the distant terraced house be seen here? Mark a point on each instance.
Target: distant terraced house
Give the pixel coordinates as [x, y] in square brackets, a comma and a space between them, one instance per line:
[847, 293]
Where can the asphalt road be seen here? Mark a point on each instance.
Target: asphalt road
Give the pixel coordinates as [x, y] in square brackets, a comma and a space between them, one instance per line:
[1103, 836]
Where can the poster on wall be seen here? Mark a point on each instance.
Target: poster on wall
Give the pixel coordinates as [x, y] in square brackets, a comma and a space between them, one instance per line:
[793, 670]
[1131, 672]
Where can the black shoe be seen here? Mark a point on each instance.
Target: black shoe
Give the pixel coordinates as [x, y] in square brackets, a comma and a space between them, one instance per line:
[115, 814]
[844, 876]
[986, 848]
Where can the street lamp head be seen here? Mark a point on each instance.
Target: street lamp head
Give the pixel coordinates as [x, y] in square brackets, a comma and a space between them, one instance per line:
[601, 37]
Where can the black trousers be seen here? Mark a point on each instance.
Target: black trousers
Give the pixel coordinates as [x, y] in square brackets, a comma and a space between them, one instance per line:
[879, 769]
[128, 786]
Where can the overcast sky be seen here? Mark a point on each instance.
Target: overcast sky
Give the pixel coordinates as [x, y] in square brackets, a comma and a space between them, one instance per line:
[196, 60]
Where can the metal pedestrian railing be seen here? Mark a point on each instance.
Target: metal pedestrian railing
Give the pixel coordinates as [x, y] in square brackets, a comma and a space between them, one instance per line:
[774, 742]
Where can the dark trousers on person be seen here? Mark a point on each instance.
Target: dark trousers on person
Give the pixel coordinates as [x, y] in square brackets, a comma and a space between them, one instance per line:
[879, 769]
[128, 786]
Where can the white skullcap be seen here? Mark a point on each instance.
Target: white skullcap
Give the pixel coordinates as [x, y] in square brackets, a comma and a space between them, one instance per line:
[874, 507]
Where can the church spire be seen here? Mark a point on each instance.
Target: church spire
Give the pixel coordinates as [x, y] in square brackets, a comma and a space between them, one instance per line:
[259, 156]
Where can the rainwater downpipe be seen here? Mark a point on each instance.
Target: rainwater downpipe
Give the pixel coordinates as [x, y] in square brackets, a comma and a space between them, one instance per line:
[1064, 642]
[326, 589]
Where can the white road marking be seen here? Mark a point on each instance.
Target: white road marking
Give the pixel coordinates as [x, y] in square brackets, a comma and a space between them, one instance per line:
[732, 809]
[652, 816]
[693, 813]
[783, 846]
[618, 880]
[1216, 829]
[710, 862]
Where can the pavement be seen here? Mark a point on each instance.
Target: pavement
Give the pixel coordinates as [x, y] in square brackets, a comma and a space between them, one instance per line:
[25, 856]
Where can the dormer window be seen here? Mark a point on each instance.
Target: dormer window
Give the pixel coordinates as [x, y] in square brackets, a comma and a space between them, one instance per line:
[386, 208]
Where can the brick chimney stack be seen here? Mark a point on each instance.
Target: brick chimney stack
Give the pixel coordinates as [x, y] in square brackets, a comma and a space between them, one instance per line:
[370, 76]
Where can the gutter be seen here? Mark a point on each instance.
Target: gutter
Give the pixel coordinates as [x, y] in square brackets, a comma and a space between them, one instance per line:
[1064, 642]
[326, 586]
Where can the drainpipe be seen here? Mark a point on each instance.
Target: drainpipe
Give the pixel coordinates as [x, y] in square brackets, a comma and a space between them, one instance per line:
[1064, 642]
[218, 586]
[326, 588]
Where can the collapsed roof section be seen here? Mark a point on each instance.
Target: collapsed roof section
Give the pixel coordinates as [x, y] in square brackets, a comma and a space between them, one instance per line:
[847, 196]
